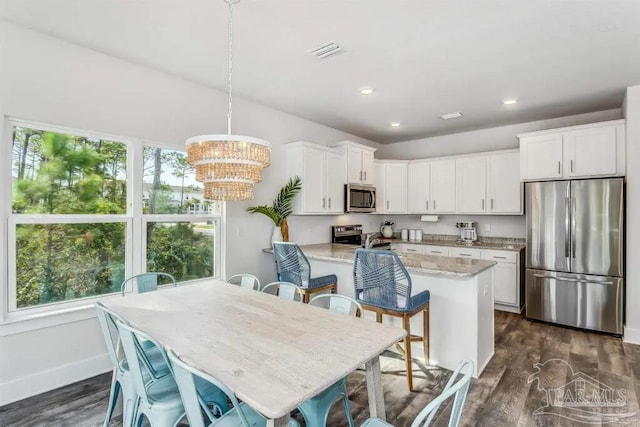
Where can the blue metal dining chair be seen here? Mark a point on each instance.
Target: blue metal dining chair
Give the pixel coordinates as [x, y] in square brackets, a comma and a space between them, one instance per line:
[244, 280]
[284, 290]
[147, 282]
[459, 389]
[383, 285]
[316, 410]
[158, 398]
[121, 379]
[241, 415]
[293, 266]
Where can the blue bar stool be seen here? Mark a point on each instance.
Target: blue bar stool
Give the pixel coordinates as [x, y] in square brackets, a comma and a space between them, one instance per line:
[383, 285]
[293, 267]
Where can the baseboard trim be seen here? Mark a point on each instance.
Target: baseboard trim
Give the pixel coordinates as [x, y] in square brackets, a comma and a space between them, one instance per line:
[631, 336]
[43, 381]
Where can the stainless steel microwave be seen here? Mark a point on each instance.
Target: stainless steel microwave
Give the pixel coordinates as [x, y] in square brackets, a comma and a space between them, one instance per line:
[359, 198]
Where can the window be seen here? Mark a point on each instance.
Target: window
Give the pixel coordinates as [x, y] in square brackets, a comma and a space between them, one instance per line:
[75, 210]
[180, 232]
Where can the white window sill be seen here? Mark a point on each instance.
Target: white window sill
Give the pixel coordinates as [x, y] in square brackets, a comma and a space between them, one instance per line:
[61, 314]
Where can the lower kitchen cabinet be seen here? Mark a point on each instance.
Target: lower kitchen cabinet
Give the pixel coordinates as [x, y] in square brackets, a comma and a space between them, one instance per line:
[508, 281]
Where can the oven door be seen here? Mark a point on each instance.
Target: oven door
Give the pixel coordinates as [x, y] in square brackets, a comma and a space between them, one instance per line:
[360, 198]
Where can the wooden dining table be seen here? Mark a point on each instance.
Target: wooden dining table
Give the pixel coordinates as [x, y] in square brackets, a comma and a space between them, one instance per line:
[272, 353]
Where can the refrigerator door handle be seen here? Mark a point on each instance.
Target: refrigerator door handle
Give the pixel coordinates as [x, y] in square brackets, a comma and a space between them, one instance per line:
[573, 227]
[567, 216]
[567, 279]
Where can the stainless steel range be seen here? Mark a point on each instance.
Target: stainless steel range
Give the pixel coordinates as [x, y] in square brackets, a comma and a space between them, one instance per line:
[575, 253]
[352, 235]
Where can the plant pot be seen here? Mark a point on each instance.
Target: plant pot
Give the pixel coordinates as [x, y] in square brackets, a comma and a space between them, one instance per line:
[277, 235]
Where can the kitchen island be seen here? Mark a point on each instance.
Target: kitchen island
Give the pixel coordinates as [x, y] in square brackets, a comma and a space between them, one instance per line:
[460, 308]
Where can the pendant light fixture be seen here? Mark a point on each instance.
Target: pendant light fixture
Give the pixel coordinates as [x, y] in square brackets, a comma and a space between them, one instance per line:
[228, 165]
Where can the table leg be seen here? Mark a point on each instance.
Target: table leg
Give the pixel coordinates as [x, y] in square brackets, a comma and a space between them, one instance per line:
[279, 422]
[374, 389]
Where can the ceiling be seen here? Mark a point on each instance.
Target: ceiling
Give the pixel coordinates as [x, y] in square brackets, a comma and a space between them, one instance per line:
[424, 58]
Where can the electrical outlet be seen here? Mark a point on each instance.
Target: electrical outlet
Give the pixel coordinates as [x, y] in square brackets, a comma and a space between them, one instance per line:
[486, 227]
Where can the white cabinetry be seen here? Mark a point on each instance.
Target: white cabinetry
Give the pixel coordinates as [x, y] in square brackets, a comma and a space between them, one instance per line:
[465, 252]
[392, 177]
[593, 150]
[323, 175]
[506, 279]
[443, 186]
[419, 186]
[504, 189]
[471, 184]
[437, 250]
[359, 164]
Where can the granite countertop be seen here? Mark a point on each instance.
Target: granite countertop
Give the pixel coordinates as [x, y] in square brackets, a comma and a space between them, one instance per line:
[497, 243]
[442, 266]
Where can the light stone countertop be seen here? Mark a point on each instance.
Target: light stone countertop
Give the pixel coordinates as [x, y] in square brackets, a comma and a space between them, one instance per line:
[442, 266]
[502, 245]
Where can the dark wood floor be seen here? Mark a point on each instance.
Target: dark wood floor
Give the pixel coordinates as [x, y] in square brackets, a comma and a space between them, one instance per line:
[502, 396]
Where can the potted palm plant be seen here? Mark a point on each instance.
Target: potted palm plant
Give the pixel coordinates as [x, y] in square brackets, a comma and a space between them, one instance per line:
[280, 209]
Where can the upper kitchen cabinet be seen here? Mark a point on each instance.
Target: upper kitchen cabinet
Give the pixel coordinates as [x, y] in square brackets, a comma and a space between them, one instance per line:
[359, 164]
[592, 150]
[419, 187]
[504, 189]
[322, 172]
[443, 186]
[489, 183]
[391, 187]
[471, 184]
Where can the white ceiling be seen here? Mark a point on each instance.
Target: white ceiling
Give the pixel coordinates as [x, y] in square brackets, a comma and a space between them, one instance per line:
[424, 58]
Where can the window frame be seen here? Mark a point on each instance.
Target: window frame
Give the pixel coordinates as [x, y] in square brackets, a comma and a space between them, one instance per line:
[134, 218]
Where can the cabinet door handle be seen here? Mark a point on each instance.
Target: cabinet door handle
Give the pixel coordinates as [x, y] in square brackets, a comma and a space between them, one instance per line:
[559, 173]
[491, 204]
[465, 254]
[329, 202]
[412, 250]
[482, 204]
[427, 205]
[360, 175]
[387, 204]
[571, 163]
[500, 257]
[365, 175]
[323, 202]
[434, 204]
[436, 252]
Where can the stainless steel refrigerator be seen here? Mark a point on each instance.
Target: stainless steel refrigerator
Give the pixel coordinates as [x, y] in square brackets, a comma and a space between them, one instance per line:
[575, 253]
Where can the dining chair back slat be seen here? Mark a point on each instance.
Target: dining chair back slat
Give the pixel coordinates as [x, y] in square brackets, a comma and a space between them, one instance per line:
[185, 376]
[381, 279]
[455, 388]
[246, 281]
[146, 282]
[134, 360]
[291, 264]
[284, 290]
[338, 304]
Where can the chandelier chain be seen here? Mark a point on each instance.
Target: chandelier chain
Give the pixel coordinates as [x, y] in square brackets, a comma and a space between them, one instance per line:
[230, 77]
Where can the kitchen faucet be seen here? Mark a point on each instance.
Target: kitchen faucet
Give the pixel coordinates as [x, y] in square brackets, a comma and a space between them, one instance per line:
[368, 243]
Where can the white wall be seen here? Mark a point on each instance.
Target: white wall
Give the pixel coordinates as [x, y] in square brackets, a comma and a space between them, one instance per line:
[498, 138]
[632, 278]
[48, 80]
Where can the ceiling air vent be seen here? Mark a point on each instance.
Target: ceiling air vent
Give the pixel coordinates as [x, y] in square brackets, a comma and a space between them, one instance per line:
[326, 50]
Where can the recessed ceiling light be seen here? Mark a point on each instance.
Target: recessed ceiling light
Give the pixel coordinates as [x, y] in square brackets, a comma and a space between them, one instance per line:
[509, 101]
[366, 91]
[449, 116]
[395, 124]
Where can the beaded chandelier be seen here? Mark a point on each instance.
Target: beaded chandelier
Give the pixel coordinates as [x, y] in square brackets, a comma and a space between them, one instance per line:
[228, 165]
